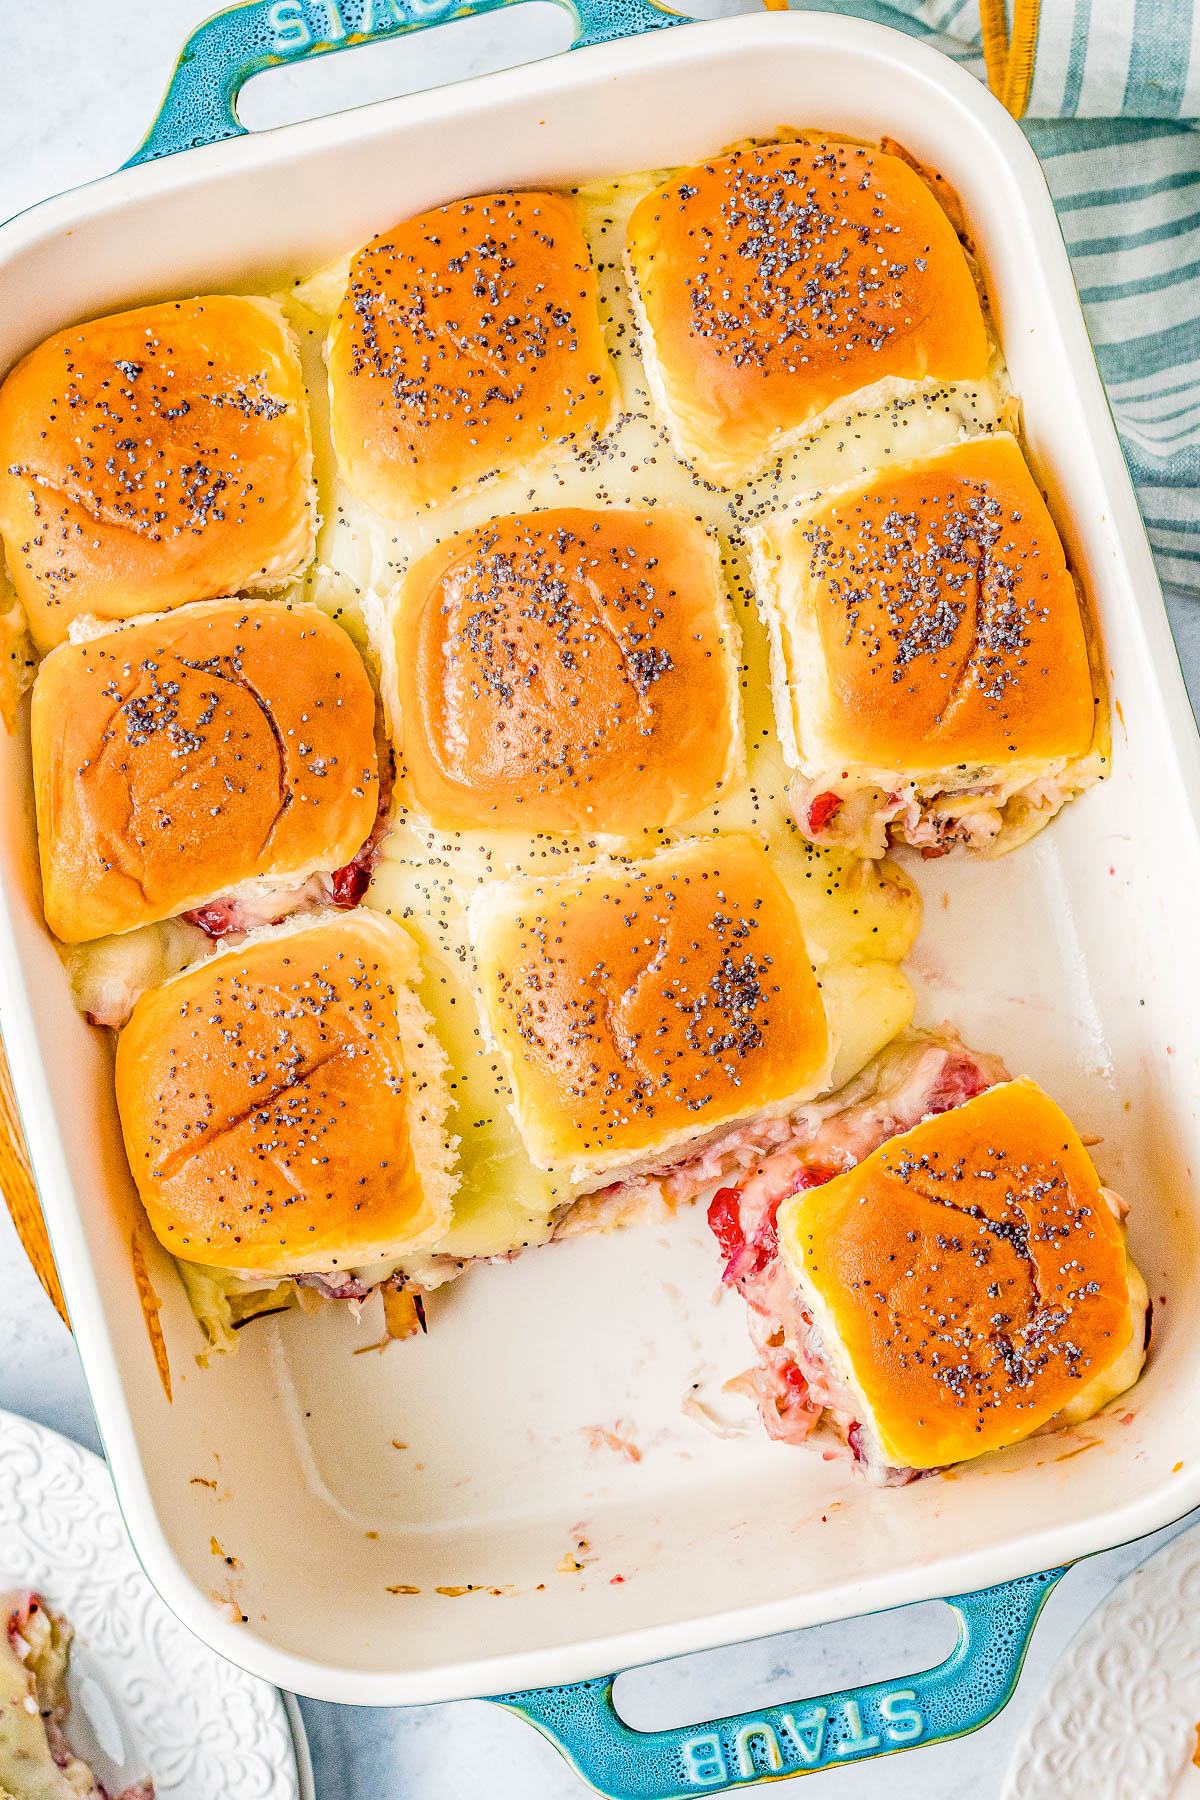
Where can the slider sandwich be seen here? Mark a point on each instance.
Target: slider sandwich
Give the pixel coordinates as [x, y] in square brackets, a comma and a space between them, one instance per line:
[935, 676]
[37, 1757]
[283, 1106]
[468, 344]
[654, 1017]
[568, 670]
[155, 457]
[780, 283]
[932, 1266]
[218, 762]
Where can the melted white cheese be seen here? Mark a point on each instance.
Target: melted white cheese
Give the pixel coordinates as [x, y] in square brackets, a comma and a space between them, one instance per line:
[859, 923]
[1120, 1374]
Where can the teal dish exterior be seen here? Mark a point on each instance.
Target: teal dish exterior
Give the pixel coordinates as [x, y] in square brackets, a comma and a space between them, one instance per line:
[962, 1693]
[200, 105]
[977, 1679]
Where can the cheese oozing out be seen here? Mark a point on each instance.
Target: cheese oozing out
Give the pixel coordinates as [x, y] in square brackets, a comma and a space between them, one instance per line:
[935, 668]
[806, 1375]
[858, 922]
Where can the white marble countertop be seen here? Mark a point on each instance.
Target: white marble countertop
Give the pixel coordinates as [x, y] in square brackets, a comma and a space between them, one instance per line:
[81, 82]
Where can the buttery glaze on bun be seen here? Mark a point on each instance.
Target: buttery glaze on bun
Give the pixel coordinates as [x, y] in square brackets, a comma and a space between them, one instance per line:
[155, 457]
[640, 1008]
[933, 672]
[283, 1104]
[568, 671]
[468, 343]
[969, 1281]
[177, 758]
[775, 283]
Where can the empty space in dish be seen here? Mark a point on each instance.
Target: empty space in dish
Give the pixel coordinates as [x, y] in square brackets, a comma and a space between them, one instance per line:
[274, 1481]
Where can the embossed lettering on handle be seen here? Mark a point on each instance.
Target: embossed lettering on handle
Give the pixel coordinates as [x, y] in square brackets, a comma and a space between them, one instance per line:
[959, 1695]
[200, 105]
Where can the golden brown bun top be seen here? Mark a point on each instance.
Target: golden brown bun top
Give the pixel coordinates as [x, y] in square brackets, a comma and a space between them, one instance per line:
[569, 671]
[778, 280]
[176, 758]
[468, 341]
[641, 1006]
[155, 457]
[949, 623]
[973, 1272]
[268, 1100]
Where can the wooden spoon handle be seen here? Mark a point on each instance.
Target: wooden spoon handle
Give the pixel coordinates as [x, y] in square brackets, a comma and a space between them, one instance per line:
[1010, 58]
[17, 1184]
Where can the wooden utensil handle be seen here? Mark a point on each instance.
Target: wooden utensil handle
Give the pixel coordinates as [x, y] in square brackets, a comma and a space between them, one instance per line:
[1009, 58]
[20, 1193]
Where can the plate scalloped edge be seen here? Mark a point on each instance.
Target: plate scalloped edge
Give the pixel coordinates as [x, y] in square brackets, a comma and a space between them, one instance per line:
[202, 1727]
[1118, 1717]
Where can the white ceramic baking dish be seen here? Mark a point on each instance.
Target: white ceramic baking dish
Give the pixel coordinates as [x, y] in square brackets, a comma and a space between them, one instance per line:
[1076, 958]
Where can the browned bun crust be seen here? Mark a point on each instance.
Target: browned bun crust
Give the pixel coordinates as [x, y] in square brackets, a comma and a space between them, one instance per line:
[568, 670]
[970, 1270]
[930, 619]
[468, 343]
[777, 281]
[177, 758]
[283, 1104]
[155, 457]
[641, 1007]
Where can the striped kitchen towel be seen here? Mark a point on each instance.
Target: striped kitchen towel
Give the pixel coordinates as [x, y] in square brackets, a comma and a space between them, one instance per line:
[1112, 112]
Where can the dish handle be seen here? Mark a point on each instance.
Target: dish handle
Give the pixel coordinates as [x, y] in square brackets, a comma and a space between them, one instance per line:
[962, 1693]
[200, 105]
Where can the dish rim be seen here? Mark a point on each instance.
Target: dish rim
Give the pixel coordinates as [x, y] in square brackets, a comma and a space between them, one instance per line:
[700, 42]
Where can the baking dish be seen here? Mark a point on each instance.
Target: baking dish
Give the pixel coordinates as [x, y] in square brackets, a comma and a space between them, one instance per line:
[436, 1522]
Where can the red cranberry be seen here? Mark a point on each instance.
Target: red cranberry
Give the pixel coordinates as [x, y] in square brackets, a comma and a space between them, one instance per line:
[822, 810]
[349, 884]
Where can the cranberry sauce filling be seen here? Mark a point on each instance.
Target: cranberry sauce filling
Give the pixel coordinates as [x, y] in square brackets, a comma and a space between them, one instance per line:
[745, 1256]
[792, 1382]
[344, 887]
[349, 884]
[822, 810]
[218, 918]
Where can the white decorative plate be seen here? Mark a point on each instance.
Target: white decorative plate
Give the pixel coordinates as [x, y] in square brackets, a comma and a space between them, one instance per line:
[147, 1697]
[1118, 1718]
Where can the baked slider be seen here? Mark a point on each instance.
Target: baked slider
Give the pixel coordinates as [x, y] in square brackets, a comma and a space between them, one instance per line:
[468, 343]
[568, 670]
[934, 677]
[643, 1010]
[223, 750]
[37, 1758]
[283, 1105]
[155, 457]
[934, 1268]
[778, 282]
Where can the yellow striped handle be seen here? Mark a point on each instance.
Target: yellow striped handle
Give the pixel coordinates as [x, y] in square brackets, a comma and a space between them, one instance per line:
[1009, 59]
[20, 1194]
[1021, 52]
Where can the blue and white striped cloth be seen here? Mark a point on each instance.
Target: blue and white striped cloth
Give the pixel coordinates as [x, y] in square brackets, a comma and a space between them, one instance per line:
[1112, 114]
